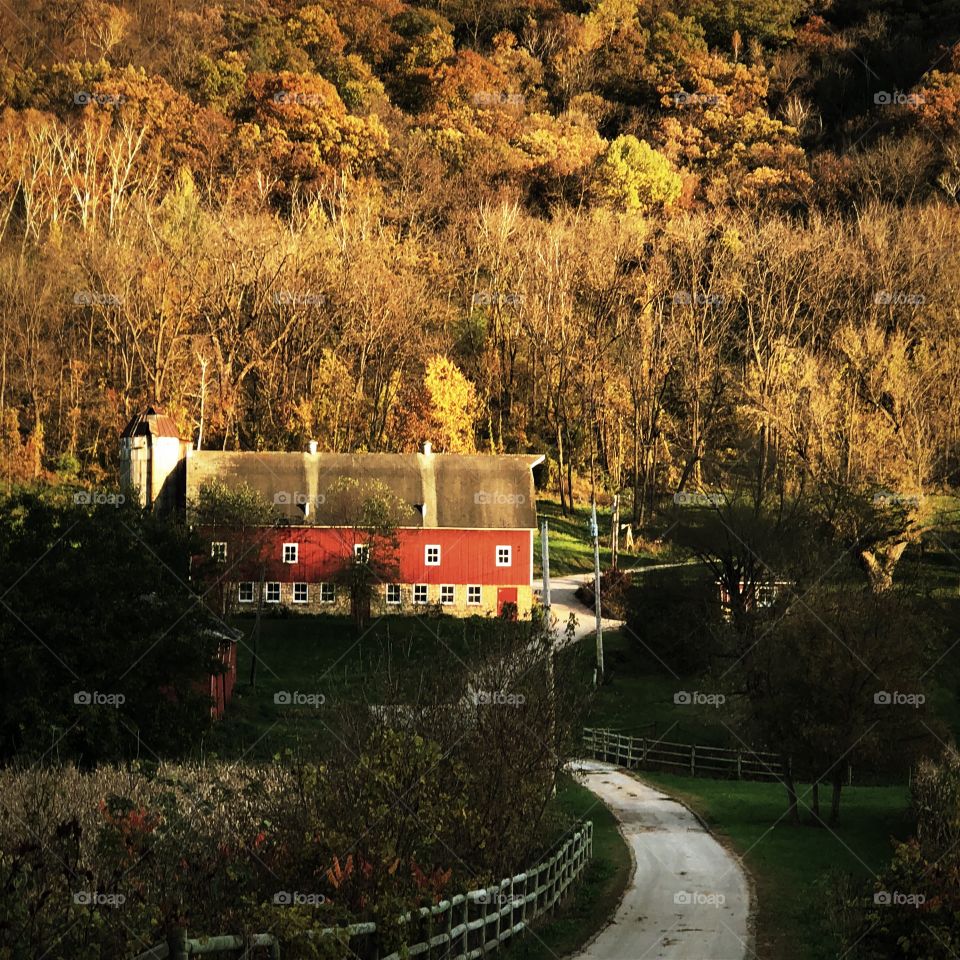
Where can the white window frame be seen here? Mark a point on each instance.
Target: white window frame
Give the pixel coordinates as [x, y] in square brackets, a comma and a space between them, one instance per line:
[296, 553]
[266, 591]
[361, 552]
[479, 595]
[391, 587]
[325, 589]
[253, 594]
[427, 562]
[452, 593]
[306, 592]
[509, 561]
[417, 587]
[215, 552]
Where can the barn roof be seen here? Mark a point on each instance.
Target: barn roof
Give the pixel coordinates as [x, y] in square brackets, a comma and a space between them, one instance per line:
[153, 422]
[436, 490]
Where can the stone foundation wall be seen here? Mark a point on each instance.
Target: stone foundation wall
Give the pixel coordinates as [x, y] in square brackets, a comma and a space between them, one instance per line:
[380, 607]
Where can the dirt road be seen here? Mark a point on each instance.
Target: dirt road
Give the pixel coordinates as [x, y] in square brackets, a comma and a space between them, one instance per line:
[689, 898]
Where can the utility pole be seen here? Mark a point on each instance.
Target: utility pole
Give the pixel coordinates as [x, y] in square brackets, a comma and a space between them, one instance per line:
[595, 533]
[548, 625]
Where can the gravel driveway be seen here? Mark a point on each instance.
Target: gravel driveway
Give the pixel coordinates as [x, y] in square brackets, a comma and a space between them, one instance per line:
[689, 898]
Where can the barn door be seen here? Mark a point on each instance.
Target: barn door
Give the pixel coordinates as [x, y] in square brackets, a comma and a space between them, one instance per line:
[507, 595]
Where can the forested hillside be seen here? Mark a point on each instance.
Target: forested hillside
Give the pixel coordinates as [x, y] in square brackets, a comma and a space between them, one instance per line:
[642, 237]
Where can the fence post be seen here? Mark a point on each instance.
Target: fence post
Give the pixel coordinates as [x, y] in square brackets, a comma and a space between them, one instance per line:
[739, 765]
[486, 920]
[499, 908]
[693, 760]
[644, 751]
[177, 944]
[449, 944]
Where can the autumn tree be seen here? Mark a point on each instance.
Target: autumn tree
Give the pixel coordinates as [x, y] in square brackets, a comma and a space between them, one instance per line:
[369, 516]
[633, 175]
[451, 406]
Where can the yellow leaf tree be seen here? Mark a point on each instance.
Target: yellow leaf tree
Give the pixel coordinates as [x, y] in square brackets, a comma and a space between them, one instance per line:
[634, 175]
[452, 405]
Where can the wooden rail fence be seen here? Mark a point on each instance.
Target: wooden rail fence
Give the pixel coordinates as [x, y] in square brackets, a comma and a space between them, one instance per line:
[697, 760]
[464, 927]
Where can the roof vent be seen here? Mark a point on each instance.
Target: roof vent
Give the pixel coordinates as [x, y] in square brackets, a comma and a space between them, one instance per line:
[312, 447]
[427, 448]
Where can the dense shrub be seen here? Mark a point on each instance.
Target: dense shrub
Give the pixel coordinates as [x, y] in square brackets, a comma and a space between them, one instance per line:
[446, 791]
[107, 650]
[615, 586]
[913, 910]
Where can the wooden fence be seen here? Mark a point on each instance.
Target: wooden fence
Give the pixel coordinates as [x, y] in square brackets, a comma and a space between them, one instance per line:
[464, 927]
[697, 760]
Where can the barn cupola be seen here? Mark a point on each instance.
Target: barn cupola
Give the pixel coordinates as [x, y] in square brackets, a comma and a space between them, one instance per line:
[152, 457]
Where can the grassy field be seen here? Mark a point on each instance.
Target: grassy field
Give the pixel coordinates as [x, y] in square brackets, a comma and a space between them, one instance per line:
[596, 895]
[789, 864]
[638, 701]
[322, 656]
[571, 549]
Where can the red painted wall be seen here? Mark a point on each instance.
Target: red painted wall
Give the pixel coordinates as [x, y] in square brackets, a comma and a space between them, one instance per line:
[466, 556]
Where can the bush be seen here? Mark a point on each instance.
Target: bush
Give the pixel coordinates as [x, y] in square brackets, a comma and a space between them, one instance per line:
[108, 651]
[615, 587]
[914, 909]
[104, 863]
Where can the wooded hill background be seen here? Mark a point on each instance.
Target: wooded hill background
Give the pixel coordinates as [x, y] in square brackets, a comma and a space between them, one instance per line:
[649, 239]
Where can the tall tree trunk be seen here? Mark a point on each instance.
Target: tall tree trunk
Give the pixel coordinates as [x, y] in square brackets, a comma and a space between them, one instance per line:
[636, 469]
[563, 506]
[880, 563]
[615, 532]
[256, 631]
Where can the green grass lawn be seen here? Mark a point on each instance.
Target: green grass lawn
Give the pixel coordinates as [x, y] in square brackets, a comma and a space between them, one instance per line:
[322, 656]
[571, 549]
[791, 864]
[595, 896]
[639, 701]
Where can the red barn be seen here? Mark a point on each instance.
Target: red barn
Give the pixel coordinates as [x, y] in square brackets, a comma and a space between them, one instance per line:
[461, 534]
